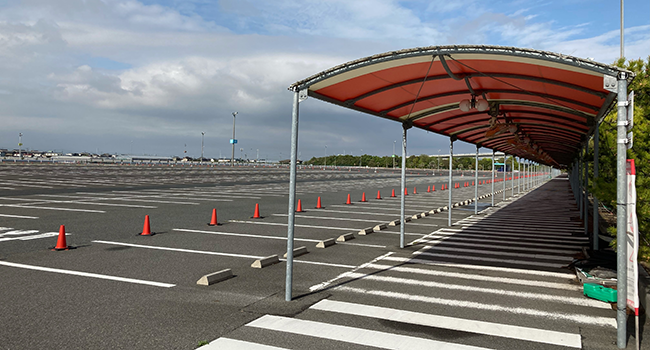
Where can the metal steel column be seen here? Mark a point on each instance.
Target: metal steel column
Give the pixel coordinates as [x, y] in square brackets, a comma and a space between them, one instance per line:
[586, 183]
[519, 176]
[492, 180]
[504, 175]
[621, 211]
[476, 182]
[451, 158]
[595, 212]
[580, 195]
[512, 176]
[403, 181]
[292, 196]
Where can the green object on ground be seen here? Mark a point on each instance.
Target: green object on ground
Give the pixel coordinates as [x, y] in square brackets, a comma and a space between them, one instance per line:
[599, 292]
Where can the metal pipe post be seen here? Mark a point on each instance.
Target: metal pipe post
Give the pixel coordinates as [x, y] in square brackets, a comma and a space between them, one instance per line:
[621, 211]
[403, 197]
[595, 212]
[504, 175]
[580, 189]
[292, 196]
[476, 182]
[512, 176]
[451, 157]
[492, 180]
[232, 156]
[586, 184]
[519, 176]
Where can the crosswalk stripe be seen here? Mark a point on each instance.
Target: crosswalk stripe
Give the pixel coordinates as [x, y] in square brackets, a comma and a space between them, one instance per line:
[558, 250]
[481, 267]
[439, 285]
[458, 324]
[353, 335]
[578, 318]
[499, 260]
[501, 253]
[234, 344]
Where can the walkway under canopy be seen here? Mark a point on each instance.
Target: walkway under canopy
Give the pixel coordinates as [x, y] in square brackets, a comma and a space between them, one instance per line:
[537, 105]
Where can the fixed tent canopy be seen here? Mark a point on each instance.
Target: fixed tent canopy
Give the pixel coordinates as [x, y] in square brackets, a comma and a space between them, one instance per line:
[532, 104]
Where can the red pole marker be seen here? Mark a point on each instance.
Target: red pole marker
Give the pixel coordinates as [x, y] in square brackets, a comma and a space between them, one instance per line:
[363, 197]
[299, 209]
[256, 215]
[318, 205]
[213, 221]
[349, 201]
[393, 193]
[60, 242]
[146, 229]
[378, 194]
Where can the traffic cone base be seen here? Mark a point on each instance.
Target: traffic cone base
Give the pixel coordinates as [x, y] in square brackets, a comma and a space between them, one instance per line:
[213, 221]
[146, 229]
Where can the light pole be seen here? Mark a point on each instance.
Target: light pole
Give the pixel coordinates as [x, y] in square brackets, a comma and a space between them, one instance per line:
[325, 157]
[394, 153]
[233, 141]
[202, 135]
[360, 158]
[20, 145]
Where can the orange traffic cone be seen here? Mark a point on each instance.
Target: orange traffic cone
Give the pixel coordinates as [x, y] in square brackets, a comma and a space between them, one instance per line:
[299, 209]
[60, 242]
[406, 193]
[146, 230]
[415, 190]
[349, 201]
[213, 221]
[378, 194]
[393, 193]
[363, 197]
[433, 188]
[318, 205]
[256, 215]
[428, 188]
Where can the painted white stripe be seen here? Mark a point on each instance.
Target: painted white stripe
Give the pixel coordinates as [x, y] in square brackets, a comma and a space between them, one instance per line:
[498, 260]
[87, 274]
[482, 267]
[233, 344]
[296, 225]
[457, 324]
[493, 239]
[477, 277]
[15, 232]
[245, 235]
[352, 335]
[578, 318]
[465, 288]
[326, 218]
[559, 251]
[321, 263]
[51, 208]
[27, 238]
[180, 250]
[18, 216]
[345, 274]
[501, 253]
[109, 204]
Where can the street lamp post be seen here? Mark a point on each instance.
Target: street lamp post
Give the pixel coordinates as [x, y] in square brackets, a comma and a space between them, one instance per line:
[202, 135]
[233, 141]
[360, 158]
[394, 153]
[325, 157]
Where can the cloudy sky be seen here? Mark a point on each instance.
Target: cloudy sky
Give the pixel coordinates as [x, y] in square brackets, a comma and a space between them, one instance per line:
[149, 76]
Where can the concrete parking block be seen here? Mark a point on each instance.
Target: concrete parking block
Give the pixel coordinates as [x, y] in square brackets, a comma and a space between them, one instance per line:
[394, 223]
[345, 237]
[326, 243]
[379, 227]
[298, 251]
[215, 277]
[366, 231]
[264, 262]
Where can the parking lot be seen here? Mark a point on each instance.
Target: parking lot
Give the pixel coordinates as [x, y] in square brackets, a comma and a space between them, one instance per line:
[119, 289]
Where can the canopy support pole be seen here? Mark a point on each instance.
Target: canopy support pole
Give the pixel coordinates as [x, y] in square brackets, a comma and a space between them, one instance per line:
[403, 183]
[586, 198]
[292, 196]
[505, 158]
[512, 176]
[451, 158]
[579, 187]
[595, 211]
[476, 182]
[621, 212]
[492, 180]
[519, 176]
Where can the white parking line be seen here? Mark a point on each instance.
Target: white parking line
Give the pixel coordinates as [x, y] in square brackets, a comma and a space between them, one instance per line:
[234, 344]
[308, 226]
[180, 250]
[501, 253]
[497, 260]
[19, 216]
[457, 324]
[87, 274]
[51, 208]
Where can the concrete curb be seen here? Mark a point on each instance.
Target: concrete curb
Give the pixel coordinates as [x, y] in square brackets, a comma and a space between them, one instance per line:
[264, 262]
[345, 237]
[326, 243]
[366, 231]
[379, 227]
[215, 277]
[298, 251]
[394, 223]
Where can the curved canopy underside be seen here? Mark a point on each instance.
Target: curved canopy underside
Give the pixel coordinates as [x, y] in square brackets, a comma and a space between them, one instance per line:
[532, 104]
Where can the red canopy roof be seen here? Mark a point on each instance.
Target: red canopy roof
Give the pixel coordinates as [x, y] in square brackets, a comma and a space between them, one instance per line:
[540, 105]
